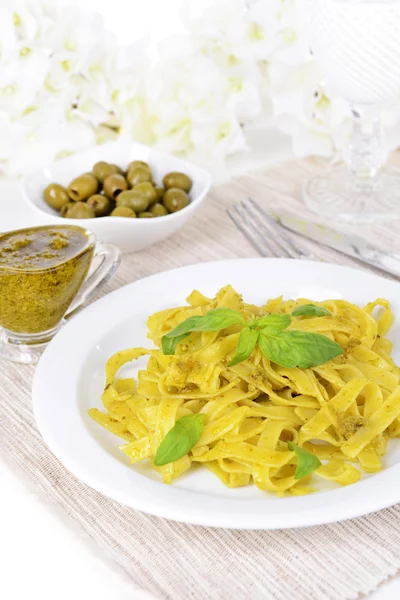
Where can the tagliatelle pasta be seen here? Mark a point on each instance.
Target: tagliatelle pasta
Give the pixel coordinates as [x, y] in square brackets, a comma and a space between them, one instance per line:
[343, 411]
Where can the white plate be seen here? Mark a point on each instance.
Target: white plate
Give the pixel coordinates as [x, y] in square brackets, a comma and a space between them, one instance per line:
[130, 235]
[70, 377]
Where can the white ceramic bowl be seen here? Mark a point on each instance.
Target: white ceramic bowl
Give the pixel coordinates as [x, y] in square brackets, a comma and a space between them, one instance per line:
[129, 235]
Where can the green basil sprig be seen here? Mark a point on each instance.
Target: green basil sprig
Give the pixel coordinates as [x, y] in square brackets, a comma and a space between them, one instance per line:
[249, 336]
[180, 439]
[310, 310]
[248, 339]
[306, 461]
[214, 320]
[290, 349]
[297, 348]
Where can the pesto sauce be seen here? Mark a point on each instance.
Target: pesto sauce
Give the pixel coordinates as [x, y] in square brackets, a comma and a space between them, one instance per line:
[41, 271]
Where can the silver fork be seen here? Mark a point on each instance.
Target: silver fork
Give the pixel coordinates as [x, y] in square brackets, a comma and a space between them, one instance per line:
[270, 239]
[267, 237]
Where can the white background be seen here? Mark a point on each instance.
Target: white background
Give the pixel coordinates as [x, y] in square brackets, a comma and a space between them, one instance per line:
[41, 556]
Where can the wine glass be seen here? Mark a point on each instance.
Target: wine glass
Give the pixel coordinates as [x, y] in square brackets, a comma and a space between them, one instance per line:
[356, 43]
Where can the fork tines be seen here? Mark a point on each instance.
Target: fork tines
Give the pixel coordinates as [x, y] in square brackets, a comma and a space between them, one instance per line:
[263, 232]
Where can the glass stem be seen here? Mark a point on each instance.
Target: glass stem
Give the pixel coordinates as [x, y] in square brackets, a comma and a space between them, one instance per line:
[365, 154]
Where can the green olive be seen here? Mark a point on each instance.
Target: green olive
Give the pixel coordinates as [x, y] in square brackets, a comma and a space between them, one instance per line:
[101, 205]
[65, 208]
[134, 200]
[145, 215]
[146, 189]
[178, 180]
[56, 196]
[138, 163]
[119, 170]
[158, 210]
[138, 175]
[175, 199]
[83, 187]
[102, 170]
[114, 185]
[123, 211]
[160, 193]
[80, 210]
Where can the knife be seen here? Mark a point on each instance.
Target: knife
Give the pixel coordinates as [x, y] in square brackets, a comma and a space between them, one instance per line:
[351, 245]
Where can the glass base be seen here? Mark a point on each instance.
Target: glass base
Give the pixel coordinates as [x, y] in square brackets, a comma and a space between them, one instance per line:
[339, 196]
[24, 349]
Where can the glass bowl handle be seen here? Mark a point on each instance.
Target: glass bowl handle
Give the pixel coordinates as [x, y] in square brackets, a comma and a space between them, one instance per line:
[110, 259]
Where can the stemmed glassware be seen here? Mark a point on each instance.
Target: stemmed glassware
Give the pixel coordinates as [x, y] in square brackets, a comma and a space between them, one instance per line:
[357, 46]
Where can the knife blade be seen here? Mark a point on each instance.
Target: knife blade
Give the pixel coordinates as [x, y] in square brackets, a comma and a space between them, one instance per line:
[351, 245]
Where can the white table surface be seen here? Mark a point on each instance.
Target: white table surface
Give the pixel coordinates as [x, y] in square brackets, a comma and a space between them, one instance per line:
[42, 557]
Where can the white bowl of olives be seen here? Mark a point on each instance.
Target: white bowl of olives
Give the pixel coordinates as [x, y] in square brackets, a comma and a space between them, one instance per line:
[128, 194]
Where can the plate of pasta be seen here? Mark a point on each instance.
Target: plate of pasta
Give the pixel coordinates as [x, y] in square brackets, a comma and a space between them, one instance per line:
[248, 394]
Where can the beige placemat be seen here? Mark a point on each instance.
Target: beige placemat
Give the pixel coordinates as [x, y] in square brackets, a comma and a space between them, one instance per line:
[180, 562]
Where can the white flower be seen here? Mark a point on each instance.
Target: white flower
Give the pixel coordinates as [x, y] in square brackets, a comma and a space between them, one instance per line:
[224, 29]
[57, 82]
[221, 138]
[194, 108]
[8, 36]
[36, 140]
[303, 110]
[283, 27]
[74, 34]
[21, 79]
[27, 18]
[66, 84]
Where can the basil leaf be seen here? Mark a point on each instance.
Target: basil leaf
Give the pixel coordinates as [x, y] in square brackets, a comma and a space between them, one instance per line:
[214, 320]
[275, 321]
[219, 318]
[297, 348]
[180, 439]
[306, 461]
[169, 344]
[184, 327]
[310, 310]
[247, 342]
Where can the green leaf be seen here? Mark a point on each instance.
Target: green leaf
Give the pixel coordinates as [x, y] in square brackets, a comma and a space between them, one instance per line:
[218, 319]
[246, 344]
[184, 327]
[180, 439]
[169, 344]
[275, 321]
[310, 310]
[214, 320]
[297, 348]
[306, 461]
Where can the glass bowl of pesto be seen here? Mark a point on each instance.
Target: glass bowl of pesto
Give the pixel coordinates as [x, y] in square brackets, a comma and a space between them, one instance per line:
[129, 235]
[44, 281]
